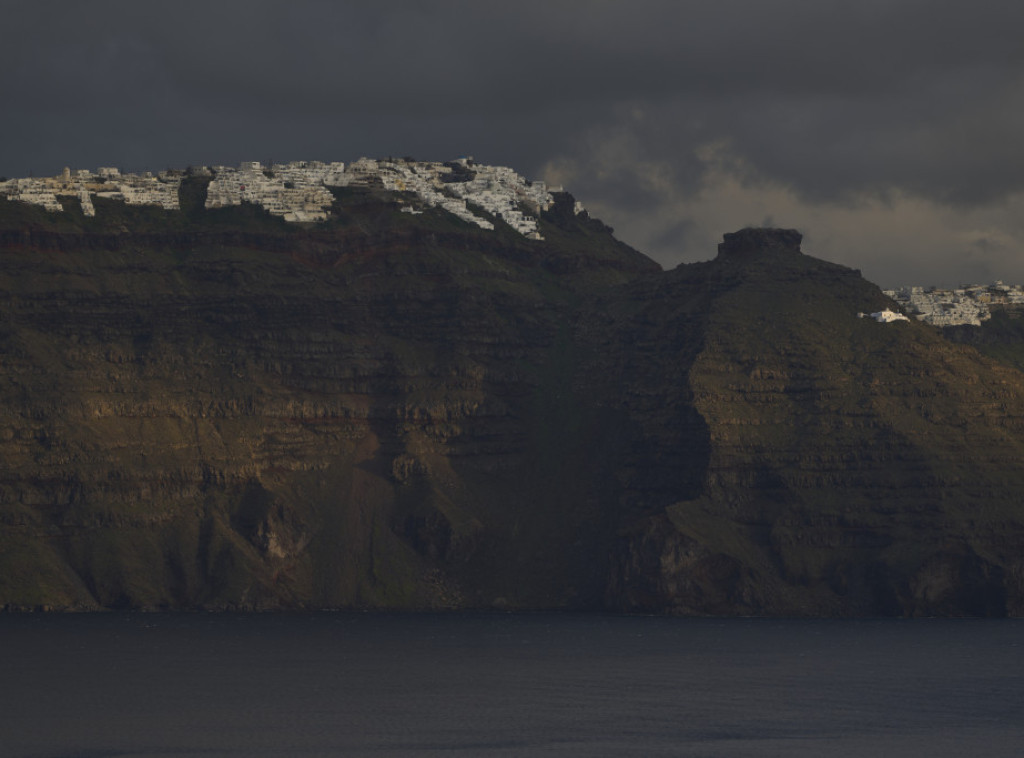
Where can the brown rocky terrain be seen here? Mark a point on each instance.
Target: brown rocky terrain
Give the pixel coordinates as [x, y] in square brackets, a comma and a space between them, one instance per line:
[840, 466]
[239, 414]
[214, 410]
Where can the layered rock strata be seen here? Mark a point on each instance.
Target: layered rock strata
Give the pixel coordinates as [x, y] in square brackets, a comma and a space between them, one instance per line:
[841, 466]
[207, 409]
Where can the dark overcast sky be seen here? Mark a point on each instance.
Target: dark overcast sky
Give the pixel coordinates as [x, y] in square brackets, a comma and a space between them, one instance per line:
[890, 132]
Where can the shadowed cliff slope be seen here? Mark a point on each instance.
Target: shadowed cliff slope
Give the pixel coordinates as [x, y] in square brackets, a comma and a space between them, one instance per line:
[214, 409]
[852, 467]
[211, 409]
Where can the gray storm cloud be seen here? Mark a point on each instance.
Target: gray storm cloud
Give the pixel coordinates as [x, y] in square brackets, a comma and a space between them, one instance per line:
[887, 131]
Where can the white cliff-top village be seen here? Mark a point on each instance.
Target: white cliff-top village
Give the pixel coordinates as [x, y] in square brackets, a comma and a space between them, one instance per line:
[300, 191]
[951, 307]
[971, 304]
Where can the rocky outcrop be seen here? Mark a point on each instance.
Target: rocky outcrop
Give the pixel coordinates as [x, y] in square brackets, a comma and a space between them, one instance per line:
[850, 467]
[760, 243]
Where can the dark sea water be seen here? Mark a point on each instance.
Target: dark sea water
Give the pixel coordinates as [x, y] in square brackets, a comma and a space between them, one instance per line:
[339, 684]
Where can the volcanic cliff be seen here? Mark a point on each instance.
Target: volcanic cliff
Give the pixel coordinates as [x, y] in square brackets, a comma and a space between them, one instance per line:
[215, 409]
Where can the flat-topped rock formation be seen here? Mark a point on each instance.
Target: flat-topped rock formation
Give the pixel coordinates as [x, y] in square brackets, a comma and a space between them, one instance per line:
[759, 241]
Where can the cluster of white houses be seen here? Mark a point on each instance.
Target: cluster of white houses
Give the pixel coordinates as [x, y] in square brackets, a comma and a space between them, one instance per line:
[134, 189]
[886, 316]
[300, 191]
[295, 191]
[497, 190]
[951, 307]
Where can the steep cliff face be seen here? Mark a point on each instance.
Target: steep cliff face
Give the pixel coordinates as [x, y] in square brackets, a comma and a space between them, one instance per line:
[231, 413]
[214, 410]
[847, 468]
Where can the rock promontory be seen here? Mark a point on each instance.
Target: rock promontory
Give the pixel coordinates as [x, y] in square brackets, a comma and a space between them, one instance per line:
[760, 241]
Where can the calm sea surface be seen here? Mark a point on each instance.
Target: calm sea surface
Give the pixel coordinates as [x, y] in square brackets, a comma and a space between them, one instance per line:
[339, 684]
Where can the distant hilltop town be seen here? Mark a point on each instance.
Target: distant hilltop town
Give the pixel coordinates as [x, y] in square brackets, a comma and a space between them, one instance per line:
[300, 191]
[952, 307]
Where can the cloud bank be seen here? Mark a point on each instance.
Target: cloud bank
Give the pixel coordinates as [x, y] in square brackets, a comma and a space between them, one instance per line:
[888, 132]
